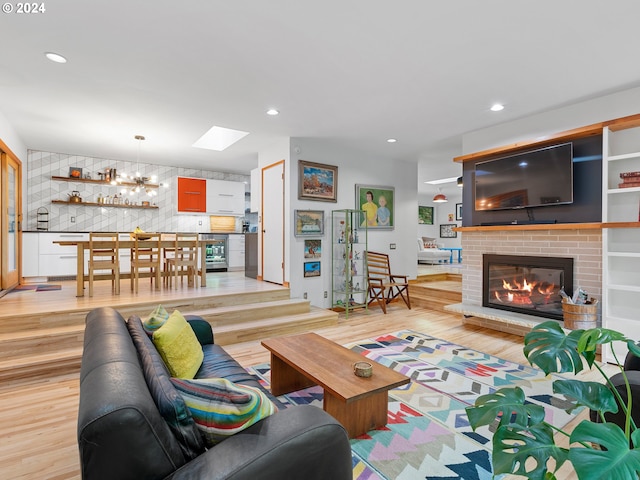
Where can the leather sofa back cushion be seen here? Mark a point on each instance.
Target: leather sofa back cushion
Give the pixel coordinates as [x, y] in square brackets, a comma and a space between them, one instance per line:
[169, 402]
[221, 408]
[178, 346]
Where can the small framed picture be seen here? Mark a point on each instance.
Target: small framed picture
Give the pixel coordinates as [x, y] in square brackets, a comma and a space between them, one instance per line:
[311, 269]
[446, 230]
[313, 248]
[425, 215]
[308, 222]
[317, 181]
[75, 172]
[458, 211]
[450, 217]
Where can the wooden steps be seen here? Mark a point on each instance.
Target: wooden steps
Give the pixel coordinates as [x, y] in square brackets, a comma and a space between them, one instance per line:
[272, 327]
[38, 345]
[436, 291]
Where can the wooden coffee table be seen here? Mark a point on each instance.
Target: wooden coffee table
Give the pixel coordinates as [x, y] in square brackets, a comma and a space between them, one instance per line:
[359, 404]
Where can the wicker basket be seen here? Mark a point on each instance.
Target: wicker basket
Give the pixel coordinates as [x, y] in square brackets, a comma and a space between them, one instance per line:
[582, 316]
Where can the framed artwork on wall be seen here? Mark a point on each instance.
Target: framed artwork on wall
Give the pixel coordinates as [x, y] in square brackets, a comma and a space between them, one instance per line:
[311, 269]
[308, 222]
[317, 182]
[75, 172]
[377, 203]
[458, 211]
[446, 230]
[425, 215]
[313, 248]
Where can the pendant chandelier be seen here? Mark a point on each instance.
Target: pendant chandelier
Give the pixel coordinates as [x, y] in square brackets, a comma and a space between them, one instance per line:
[140, 183]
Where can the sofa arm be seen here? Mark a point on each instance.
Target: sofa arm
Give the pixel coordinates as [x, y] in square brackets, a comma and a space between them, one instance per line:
[298, 442]
[201, 328]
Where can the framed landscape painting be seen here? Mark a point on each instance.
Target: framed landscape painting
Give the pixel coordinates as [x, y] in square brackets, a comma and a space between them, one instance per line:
[317, 182]
[425, 215]
[377, 203]
[311, 269]
[308, 222]
[313, 248]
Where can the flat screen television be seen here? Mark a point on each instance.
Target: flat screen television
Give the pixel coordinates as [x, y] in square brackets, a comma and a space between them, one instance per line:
[540, 177]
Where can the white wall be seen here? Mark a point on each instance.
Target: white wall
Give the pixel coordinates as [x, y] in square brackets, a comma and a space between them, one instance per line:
[534, 127]
[353, 168]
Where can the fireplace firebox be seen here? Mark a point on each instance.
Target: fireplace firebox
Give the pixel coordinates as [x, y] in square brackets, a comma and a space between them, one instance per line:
[526, 284]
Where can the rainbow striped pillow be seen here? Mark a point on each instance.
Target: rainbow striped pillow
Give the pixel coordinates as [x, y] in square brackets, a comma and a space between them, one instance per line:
[222, 408]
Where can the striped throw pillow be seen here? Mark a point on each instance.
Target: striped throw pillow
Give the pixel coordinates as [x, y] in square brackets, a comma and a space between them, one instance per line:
[222, 408]
[157, 318]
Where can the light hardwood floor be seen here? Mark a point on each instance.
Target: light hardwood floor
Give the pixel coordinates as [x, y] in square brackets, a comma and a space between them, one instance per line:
[38, 418]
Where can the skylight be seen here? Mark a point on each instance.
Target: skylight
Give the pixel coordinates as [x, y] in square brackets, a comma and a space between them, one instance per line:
[219, 138]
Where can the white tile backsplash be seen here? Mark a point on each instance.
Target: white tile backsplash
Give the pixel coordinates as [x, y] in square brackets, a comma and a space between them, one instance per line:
[41, 190]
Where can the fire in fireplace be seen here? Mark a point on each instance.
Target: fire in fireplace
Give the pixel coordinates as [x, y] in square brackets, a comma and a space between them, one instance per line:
[526, 284]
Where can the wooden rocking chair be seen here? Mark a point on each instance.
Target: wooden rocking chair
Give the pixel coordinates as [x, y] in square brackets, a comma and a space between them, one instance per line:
[383, 285]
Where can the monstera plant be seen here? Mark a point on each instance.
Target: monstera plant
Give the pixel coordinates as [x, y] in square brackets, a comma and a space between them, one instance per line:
[523, 443]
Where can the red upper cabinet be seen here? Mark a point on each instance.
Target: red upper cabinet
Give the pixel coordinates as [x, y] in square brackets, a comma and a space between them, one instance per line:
[192, 195]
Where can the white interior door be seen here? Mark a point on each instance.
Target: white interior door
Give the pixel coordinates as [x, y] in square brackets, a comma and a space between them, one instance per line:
[273, 223]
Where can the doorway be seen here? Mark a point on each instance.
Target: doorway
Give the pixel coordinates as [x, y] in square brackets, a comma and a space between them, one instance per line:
[10, 220]
[273, 223]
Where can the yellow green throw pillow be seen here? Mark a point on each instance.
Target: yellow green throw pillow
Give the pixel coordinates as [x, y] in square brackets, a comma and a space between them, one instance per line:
[222, 408]
[178, 346]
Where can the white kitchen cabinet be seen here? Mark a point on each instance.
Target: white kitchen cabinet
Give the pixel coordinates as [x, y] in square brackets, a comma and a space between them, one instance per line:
[55, 260]
[620, 237]
[236, 252]
[30, 254]
[225, 197]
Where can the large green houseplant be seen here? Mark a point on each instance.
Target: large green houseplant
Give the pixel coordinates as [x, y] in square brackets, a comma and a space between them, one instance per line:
[523, 443]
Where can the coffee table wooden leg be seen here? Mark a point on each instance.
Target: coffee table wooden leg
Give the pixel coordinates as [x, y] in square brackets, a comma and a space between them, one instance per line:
[358, 416]
[286, 379]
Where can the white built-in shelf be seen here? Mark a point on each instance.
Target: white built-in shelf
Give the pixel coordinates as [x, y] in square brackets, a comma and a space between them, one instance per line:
[623, 190]
[624, 156]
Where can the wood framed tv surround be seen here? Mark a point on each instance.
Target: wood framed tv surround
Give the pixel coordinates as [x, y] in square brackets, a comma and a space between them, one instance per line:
[606, 253]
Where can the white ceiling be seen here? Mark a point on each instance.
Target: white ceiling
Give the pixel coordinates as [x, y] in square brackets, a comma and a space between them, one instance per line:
[355, 72]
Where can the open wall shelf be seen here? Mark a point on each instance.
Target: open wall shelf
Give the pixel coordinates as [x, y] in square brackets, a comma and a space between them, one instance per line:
[107, 205]
[100, 182]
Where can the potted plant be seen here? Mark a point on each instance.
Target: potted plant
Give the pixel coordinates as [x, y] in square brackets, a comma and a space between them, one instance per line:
[597, 450]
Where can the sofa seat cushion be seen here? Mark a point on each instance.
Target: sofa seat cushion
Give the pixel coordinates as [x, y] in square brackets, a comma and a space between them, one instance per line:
[178, 346]
[219, 364]
[169, 402]
[221, 408]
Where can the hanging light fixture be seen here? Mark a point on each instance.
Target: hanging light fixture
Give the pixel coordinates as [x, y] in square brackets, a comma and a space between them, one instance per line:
[139, 181]
[440, 197]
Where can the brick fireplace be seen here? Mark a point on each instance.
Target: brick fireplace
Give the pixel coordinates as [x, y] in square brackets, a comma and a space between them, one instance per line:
[583, 245]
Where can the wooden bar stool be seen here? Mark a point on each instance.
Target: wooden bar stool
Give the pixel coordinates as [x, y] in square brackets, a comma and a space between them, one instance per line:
[167, 252]
[104, 256]
[145, 253]
[184, 260]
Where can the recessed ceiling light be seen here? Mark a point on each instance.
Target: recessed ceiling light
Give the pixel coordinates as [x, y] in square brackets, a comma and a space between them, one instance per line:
[272, 111]
[219, 138]
[55, 57]
[391, 140]
[496, 107]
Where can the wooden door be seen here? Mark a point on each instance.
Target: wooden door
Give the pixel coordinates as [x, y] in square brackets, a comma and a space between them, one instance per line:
[10, 220]
[273, 223]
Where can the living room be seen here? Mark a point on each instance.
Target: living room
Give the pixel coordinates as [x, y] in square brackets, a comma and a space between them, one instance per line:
[377, 166]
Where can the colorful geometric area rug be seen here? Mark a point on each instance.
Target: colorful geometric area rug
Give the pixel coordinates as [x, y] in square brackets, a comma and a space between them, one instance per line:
[428, 435]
